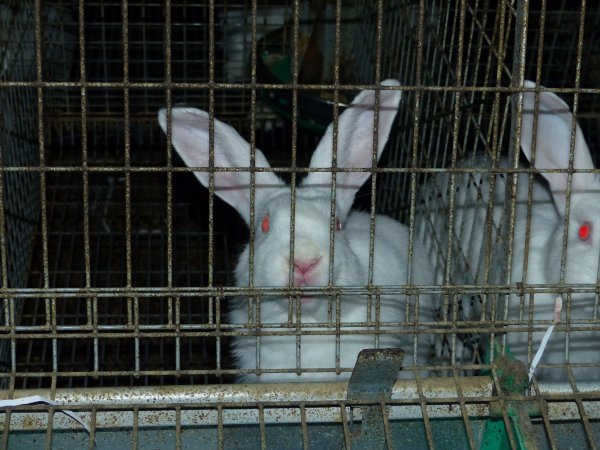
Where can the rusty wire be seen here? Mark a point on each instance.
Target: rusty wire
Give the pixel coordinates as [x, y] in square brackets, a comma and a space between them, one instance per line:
[439, 125]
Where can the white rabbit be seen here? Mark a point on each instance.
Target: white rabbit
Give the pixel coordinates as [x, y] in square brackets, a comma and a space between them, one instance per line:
[552, 150]
[547, 218]
[314, 351]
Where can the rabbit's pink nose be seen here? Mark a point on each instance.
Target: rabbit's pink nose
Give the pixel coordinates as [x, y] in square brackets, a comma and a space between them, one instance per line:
[302, 267]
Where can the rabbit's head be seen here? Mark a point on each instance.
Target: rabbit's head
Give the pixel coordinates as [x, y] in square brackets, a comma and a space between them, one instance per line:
[555, 129]
[272, 224]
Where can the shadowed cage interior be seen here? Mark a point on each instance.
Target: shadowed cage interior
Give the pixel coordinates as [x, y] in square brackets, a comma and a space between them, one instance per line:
[114, 258]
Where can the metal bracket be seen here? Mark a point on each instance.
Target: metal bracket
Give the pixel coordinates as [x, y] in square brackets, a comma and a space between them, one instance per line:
[371, 382]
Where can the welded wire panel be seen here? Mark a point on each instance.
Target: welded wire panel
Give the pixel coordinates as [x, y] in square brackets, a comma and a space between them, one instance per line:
[118, 266]
[18, 131]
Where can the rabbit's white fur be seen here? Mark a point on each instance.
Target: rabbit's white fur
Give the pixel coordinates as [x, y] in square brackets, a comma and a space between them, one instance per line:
[317, 349]
[547, 222]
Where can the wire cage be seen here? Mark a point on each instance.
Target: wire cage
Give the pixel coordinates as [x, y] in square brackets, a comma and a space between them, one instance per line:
[118, 266]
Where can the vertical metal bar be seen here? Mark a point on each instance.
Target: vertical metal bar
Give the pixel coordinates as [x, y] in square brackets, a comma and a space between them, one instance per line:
[378, 50]
[42, 157]
[92, 437]
[7, 302]
[218, 355]
[335, 130]
[95, 334]
[386, 426]
[261, 425]
[504, 408]
[589, 433]
[50, 428]
[135, 428]
[127, 167]
[169, 199]
[424, 413]
[521, 24]
[543, 405]
[293, 166]
[338, 334]
[298, 322]
[253, 56]
[211, 149]
[220, 427]
[332, 225]
[463, 410]
[346, 427]
[563, 260]
[178, 443]
[413, 179]
[6, 427]
[304, 426]
[84, 148]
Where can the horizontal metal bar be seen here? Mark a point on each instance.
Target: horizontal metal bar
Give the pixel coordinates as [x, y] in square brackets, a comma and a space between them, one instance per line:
[226, 291]
[281, 402]
[287, 86]
[296, 169]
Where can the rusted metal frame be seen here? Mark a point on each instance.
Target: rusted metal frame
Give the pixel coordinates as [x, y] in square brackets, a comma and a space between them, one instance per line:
[153, 401]
[288, 407]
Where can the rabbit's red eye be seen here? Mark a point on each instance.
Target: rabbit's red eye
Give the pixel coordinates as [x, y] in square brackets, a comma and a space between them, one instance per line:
[584, 231]
[338, 224]
[265, 224]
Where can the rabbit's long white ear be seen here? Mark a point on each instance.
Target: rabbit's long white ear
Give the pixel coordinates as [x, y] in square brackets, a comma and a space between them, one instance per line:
[190, 138]
[355, 143]
[553, 144]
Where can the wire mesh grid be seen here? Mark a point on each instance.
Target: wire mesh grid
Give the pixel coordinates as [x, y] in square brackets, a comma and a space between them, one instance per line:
[130, 273]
